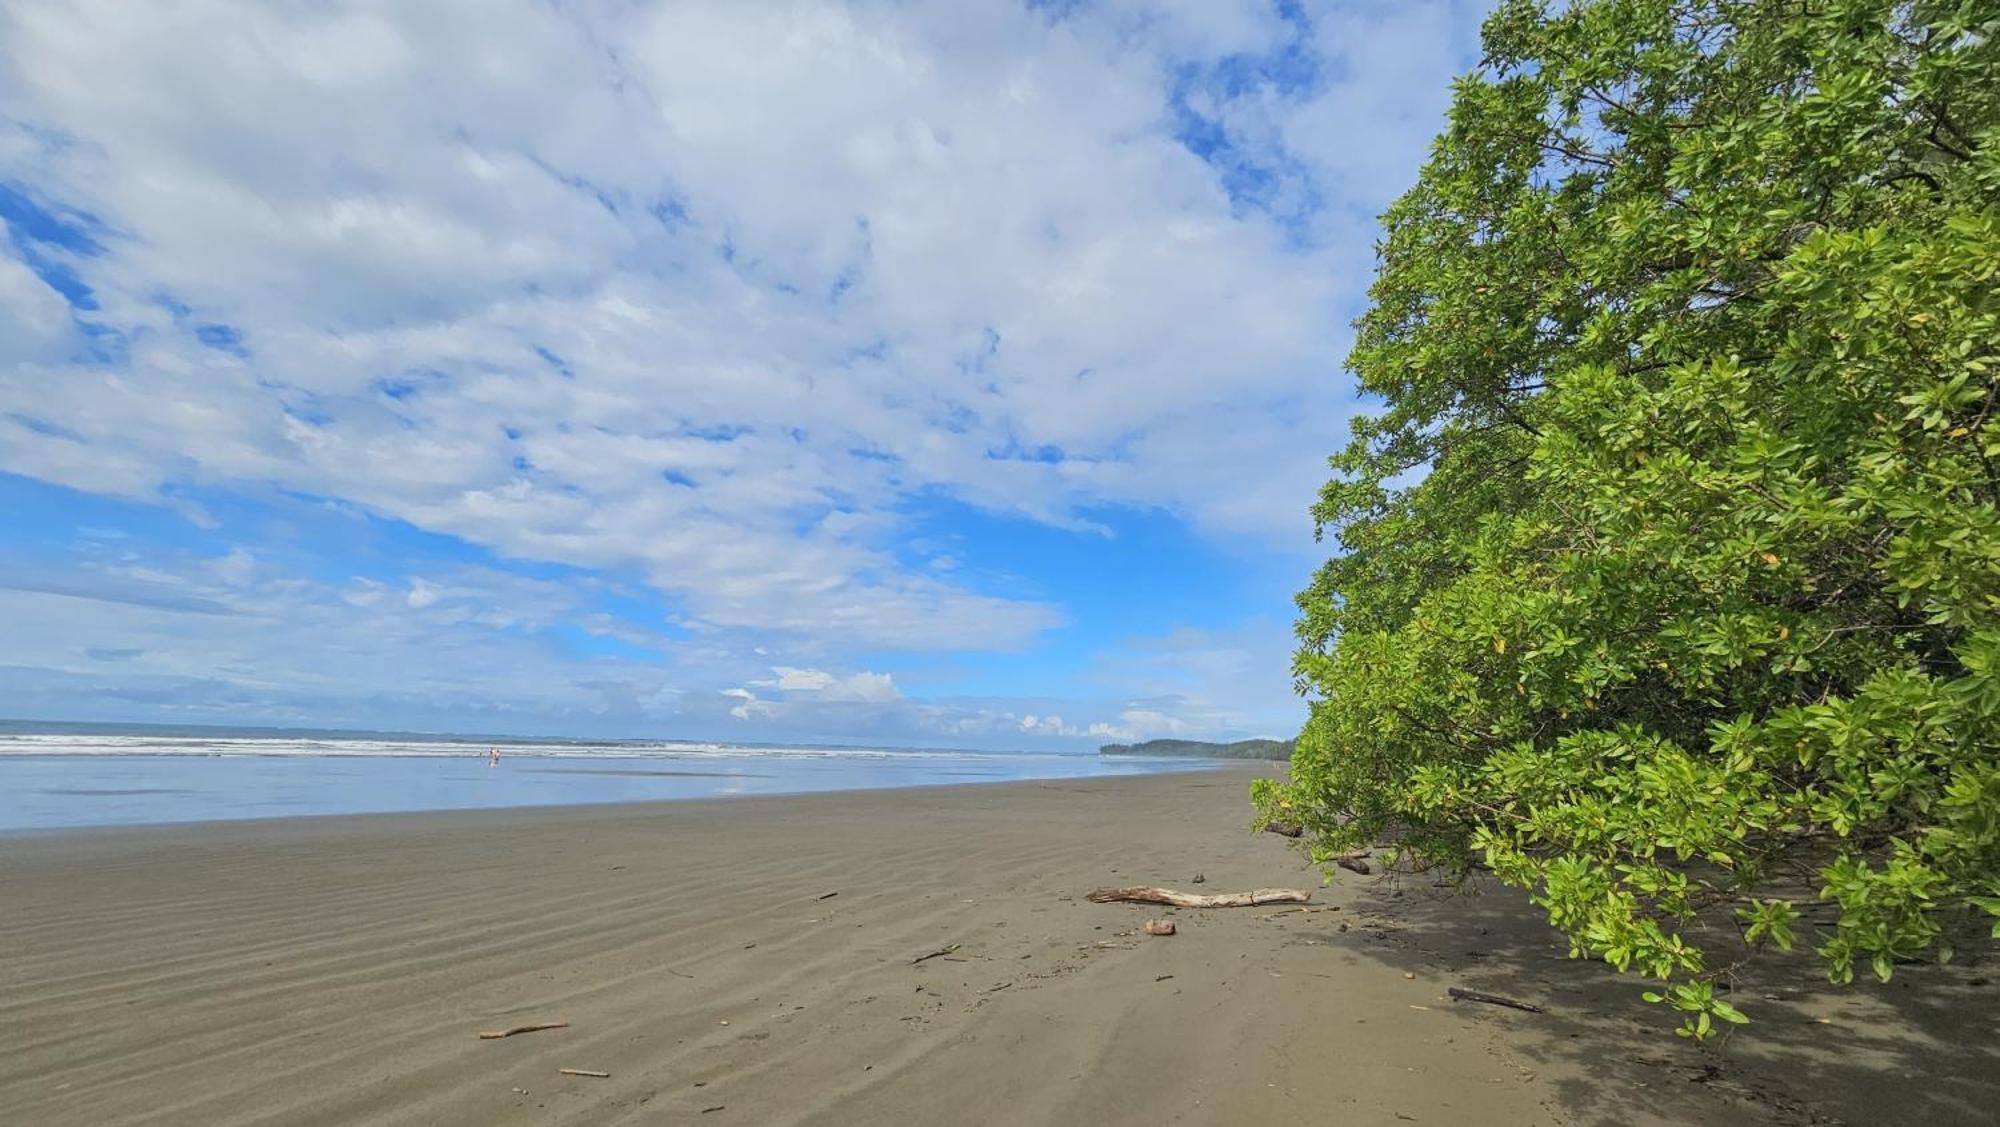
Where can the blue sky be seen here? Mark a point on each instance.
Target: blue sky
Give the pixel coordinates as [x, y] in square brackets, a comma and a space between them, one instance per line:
[919, 373]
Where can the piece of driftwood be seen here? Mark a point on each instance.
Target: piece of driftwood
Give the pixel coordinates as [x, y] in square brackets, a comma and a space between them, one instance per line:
[584, 1072]
[1285, 829]
[1159, 927]
[496, 1034]
[1463, 995]
[937, 954]
[1354, 863]
[1147, 895]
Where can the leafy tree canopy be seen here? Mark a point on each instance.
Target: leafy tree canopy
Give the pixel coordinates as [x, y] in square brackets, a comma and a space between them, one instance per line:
[1669, 579]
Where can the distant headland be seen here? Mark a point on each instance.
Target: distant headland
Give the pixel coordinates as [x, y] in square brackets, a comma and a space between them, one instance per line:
[1241, 749]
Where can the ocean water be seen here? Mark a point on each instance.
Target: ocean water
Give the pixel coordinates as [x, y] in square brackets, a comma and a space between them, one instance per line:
[54, 779]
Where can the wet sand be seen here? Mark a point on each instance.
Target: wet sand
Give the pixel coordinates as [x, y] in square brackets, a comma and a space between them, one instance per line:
[337, 970]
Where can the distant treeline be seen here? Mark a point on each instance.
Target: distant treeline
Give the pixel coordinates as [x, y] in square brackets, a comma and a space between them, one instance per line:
[1241, 749]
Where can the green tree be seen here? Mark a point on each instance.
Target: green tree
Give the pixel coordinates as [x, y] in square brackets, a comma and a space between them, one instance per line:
[1669, 569]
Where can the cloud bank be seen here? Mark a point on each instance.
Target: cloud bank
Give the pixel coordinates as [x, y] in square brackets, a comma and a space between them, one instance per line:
[708, 301]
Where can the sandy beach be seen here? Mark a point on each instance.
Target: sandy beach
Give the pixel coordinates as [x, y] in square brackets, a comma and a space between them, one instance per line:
[753, 961]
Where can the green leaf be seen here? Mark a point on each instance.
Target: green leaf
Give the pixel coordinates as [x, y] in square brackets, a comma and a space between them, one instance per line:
[1670, 561]
[1728, 1013]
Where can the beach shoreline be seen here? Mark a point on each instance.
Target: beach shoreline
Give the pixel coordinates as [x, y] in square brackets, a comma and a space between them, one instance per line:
[755, 960]
[186, 784]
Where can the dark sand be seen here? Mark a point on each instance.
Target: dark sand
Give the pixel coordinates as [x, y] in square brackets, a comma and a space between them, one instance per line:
[336, 970]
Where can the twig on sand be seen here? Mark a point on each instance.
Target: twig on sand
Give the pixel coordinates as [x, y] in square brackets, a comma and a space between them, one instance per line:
[1462, 995]
[496, 1034]
[826, 896]
[584, 1072]
[937, 954]
[1148, 895]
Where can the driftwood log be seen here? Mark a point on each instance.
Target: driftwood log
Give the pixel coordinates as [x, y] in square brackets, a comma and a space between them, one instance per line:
[1147, 895]
[1462, 995]
[496, 1034]
[1285, 829]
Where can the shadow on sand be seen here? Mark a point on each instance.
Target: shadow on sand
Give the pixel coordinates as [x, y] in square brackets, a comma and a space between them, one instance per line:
[1921, 1049]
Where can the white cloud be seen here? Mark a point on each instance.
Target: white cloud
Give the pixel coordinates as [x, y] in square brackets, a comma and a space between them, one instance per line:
[1144, 724]
[1131, 722]
[705, 293]
[202, 636]
[34, 319]
[801, 680]
[1365, 134]
[822, 685]
[864, 686]
[753, 709]
[1233, 681]
[133, 630]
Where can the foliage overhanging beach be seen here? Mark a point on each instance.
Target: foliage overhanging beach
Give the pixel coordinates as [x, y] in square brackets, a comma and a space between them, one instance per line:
[1689, 333]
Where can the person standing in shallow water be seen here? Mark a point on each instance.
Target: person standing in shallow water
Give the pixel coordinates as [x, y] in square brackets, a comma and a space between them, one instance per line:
[493, 757]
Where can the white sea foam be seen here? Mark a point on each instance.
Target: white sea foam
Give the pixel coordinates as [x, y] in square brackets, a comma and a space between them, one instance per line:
[66, 743]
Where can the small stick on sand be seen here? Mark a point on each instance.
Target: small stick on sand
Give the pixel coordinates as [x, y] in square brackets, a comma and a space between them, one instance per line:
[584, 1072]
[496, 1034]
[1492, 1000]
[1148, 895]
[937, 954]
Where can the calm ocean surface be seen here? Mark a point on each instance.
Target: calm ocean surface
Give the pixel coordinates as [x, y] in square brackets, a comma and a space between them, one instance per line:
[51, 780]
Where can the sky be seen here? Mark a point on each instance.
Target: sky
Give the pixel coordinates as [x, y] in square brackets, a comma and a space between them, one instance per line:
[952, 373]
